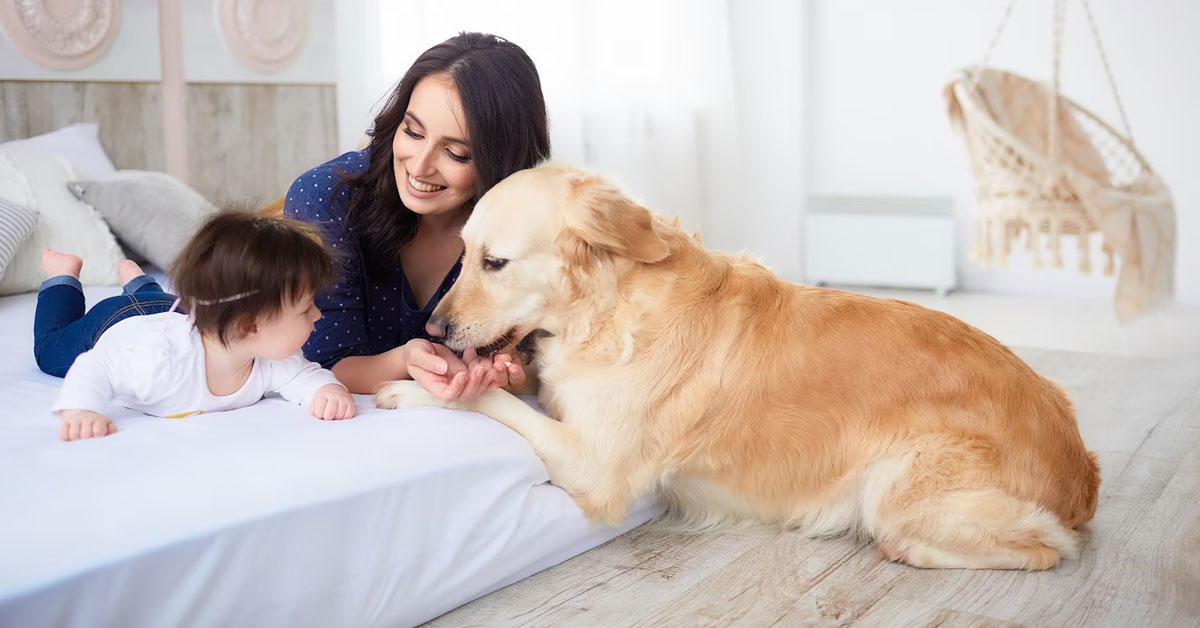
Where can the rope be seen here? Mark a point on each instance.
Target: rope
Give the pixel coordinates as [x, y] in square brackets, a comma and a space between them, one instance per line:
[992, 47]
[1059, 21]
[1052, 144]
[1108, 71]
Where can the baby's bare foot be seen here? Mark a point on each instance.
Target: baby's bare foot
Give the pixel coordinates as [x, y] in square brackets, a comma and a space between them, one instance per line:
[128, 270]
[55, 264]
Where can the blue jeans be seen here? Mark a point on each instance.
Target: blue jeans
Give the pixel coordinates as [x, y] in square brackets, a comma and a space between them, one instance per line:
[61, 330]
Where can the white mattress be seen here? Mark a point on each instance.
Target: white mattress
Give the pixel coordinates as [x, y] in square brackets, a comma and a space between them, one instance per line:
[263, 516]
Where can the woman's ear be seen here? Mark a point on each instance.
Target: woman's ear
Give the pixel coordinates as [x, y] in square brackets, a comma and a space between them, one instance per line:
[601, 220]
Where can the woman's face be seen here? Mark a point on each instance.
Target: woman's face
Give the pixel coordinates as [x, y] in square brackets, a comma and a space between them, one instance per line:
[431, 150]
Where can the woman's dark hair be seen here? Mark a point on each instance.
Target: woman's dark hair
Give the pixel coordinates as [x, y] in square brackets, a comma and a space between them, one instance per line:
[506, 121]
[241, 267]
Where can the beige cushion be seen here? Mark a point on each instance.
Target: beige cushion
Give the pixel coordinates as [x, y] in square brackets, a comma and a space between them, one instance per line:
[153, 213]
[65, 224]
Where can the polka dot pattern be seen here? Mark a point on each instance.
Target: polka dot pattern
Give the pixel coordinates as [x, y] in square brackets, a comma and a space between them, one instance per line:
[360, 314]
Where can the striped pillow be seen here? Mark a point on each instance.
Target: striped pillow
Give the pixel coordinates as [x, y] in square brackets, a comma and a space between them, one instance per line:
[16, 223]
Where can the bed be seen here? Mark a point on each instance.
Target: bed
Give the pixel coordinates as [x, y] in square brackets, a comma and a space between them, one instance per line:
[264, 516]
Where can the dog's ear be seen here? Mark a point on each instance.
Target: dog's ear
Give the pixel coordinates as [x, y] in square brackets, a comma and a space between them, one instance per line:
[601, 219]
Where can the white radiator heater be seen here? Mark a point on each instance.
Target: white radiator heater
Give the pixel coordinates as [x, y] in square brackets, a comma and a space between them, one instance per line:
[898, 242]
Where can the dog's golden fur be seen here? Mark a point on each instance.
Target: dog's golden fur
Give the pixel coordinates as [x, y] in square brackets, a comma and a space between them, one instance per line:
[742, 397]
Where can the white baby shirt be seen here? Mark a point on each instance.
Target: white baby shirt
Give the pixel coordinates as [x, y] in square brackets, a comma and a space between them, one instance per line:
[155, 364]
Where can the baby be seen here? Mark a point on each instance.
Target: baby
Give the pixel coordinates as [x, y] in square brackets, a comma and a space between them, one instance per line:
[246, 284]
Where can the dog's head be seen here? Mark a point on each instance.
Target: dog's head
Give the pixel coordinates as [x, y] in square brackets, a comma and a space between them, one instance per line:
[528, 241]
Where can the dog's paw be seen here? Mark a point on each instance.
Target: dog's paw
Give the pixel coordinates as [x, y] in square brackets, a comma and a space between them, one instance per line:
[609, 512]
[405, 394]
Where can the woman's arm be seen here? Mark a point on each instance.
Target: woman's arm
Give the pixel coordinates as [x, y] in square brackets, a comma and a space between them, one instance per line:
[362, 374]
[433, 366]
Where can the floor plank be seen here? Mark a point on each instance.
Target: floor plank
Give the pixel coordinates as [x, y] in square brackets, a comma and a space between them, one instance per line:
[743, 592]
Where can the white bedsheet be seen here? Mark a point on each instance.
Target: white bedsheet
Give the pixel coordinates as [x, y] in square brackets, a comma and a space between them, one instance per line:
[263, 516]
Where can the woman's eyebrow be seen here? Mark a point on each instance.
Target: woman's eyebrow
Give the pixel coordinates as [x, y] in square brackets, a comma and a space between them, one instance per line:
[448, 139]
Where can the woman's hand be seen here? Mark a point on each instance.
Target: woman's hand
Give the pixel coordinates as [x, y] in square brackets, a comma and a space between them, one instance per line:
[507, 373]
[443, 374]
[77, 424]
[332, 402]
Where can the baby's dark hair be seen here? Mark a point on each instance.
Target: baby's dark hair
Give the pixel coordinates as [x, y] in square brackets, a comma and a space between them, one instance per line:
[241, 267]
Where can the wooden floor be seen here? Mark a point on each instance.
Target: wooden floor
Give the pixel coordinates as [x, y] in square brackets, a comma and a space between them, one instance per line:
[1140, 568]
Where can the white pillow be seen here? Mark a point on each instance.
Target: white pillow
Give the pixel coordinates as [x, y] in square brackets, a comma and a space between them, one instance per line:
[64, 223]
[78, 143]
[153, 213]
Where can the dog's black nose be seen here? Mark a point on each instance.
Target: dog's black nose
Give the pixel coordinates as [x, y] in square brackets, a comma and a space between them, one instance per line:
[438, 327]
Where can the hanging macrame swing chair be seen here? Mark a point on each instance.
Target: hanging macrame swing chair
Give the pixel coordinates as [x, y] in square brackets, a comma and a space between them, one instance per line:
[1065, 174]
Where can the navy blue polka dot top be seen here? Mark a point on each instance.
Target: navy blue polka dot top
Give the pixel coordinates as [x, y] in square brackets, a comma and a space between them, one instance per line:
[360, 314]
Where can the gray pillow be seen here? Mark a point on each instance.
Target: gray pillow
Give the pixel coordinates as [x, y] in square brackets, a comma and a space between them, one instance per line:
[153, 213]
[16, 223]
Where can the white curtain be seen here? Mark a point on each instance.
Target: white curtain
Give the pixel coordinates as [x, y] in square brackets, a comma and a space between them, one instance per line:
[641, 90]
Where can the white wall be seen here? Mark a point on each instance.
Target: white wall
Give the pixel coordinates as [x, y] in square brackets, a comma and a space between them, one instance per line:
[833, 97]
[134, 55]
[206, 59]
[770, 54]
[844, 97]
[359, 72]
[879, 125]
[750, 51]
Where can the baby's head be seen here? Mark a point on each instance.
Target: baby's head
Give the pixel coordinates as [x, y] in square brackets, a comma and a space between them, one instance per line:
[244, 278]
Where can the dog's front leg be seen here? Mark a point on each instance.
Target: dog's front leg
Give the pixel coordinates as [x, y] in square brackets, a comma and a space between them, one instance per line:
[556, 444]
[598, 480]
[602, 474]
[553, 442]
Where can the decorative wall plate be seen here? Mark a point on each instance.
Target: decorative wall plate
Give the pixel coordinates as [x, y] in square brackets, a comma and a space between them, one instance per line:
[61, 34]
[264, 35]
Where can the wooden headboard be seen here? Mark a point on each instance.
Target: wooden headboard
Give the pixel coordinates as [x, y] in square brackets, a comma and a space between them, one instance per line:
[245, 141]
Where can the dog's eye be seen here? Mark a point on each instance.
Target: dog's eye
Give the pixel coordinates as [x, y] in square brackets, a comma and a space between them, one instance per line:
[493, 263]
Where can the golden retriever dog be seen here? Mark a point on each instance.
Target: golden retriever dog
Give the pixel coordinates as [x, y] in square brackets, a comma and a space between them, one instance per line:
[742, 397]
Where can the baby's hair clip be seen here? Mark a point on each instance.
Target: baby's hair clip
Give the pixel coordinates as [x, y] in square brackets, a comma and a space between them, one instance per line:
[240, 295]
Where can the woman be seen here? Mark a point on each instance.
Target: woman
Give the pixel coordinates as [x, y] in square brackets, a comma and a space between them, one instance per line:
[468, 113]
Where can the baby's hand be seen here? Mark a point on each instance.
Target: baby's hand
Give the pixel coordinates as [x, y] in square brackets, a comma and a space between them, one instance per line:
[77, 424]
[332, 402]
